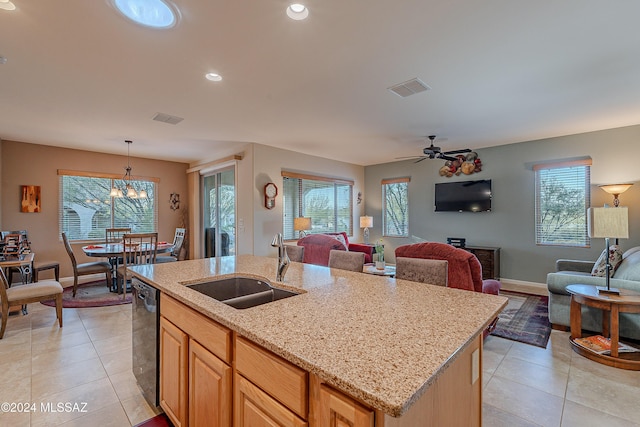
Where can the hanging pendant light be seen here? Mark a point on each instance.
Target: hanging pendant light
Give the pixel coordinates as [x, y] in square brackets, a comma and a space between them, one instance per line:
[130, 191]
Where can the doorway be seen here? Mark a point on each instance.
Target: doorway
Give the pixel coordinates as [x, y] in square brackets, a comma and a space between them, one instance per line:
[219, 213]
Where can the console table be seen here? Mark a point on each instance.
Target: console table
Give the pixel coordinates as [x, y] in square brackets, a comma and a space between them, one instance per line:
[489, 258]
[611, 305]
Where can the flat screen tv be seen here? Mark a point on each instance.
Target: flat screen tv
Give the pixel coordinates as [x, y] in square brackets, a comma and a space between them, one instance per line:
[463, 196]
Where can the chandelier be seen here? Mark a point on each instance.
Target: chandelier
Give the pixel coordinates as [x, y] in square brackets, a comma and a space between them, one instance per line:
[128, 190]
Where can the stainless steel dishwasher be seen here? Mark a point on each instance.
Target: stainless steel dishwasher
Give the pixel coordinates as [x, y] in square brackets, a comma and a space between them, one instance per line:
[145, 337]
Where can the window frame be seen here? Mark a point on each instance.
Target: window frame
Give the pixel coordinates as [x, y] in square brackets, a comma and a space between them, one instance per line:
[581, 239]
[115, 179]
[385, 220]
[289, 211]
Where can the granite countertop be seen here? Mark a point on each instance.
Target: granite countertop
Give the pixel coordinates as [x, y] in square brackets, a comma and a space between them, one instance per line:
[379, 339]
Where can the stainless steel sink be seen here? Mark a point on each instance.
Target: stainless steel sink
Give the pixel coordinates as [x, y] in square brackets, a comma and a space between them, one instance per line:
[241, 292]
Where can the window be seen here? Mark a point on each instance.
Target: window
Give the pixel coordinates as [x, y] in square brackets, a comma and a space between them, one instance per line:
[86, 208]
[395, 200]
[327, 201]
[562, 198]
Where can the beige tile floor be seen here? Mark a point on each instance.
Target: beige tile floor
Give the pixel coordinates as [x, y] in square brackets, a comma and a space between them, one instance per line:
[89, 361]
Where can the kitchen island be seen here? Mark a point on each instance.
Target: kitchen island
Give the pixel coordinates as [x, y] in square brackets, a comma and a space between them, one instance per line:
[384, 344]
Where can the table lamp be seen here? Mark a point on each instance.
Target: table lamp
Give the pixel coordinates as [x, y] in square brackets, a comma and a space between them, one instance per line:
[366, 222]
[608, 223]
[302, 224]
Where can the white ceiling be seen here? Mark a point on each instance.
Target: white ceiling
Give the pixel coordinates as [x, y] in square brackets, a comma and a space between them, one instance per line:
[79, 75]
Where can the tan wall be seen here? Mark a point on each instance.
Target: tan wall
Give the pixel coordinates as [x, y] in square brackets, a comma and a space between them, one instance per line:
[268, 164]
[31, 164]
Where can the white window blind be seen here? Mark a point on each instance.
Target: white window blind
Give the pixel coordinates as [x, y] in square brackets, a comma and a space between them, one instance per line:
[562, 198]
[395, 197]
[327, 201]
[86, 208]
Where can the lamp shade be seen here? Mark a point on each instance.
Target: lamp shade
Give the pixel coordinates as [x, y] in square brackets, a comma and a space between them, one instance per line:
[615, 189]
[366, 221]
[608, 222]
[301, 223]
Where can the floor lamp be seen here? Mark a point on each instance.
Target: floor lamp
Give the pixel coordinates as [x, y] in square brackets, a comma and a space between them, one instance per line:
[608, 223]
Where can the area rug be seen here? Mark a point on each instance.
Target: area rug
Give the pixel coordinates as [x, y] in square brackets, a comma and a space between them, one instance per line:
[524, 319]
[93, 294]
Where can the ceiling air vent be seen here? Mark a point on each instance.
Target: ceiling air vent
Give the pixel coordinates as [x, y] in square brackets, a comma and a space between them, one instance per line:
[166, 118]
[409, 87]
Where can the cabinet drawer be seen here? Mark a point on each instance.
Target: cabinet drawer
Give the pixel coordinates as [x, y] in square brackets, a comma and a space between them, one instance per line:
[254, 407]
[213, 336]
[283, 381]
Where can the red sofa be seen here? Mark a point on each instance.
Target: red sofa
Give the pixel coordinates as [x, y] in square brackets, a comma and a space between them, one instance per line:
[318, 246]
[465, 271]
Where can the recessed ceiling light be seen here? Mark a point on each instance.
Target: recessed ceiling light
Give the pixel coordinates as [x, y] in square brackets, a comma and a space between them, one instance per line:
[7, 5]
[297, 11]
[213, 77]
[149, 13]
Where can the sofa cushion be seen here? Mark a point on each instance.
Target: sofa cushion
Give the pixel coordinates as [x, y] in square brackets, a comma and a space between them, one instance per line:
[341, 238]
[630, 268]
[615, 258]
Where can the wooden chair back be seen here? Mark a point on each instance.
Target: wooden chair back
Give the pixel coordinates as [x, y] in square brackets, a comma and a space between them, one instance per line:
[114, 235]
[139, 249]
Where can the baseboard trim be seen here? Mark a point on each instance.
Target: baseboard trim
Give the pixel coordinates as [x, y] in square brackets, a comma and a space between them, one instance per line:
[524, 287]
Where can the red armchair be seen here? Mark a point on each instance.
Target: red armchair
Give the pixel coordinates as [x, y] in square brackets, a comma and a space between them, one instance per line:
[367, 250]
[465, 271]
[317, 248]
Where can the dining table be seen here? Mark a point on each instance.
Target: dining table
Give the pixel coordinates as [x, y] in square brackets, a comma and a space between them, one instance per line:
[113, 251]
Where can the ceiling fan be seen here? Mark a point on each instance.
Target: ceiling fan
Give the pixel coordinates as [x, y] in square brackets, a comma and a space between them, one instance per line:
[433, 152]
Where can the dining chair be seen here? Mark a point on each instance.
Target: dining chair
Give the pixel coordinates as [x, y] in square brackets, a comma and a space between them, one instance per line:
[346, 260]
[178, 242]
[433, 271]
[137, 249]
[295, 253]
[25, 294]
[114, 235]
[86, 268]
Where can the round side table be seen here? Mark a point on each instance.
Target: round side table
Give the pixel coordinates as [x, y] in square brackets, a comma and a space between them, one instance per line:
[611, 305]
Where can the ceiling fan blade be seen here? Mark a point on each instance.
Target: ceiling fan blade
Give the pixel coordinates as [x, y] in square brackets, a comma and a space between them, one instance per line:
[408, 157]
[445, 157]
[465, 150]
[419, 160]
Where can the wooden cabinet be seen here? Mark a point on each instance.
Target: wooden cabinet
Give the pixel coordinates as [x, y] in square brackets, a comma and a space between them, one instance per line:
[173, 372]
[336, 409]
[255, 408]
[489, 260]
[210, 388]
[195, 383]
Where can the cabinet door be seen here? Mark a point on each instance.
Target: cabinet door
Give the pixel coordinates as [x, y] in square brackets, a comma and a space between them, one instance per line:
[173, 372]
[338, 410]
[210, 392]
[255, 408]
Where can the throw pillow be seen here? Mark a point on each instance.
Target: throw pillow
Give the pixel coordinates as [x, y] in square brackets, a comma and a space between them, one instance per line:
[615, 258]
[341, 238]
